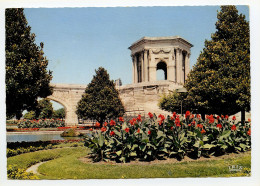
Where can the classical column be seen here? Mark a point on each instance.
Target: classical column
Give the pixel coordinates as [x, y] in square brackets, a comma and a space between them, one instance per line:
[178, 65]
[145, 66]
[170, 67]
[135, 64]
[133, 69]
[142, 66]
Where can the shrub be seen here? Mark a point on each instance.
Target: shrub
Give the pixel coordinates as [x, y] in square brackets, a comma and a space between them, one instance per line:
[168, 137]
[15, 173]
[41, 123]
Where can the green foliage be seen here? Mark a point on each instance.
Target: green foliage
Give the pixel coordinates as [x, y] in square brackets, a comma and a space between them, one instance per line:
[172, 102]
[170, 137]
[70, 133]
[46, 123]
[60, 113]
[30, 115]
[27, 77]
[220, 81]
[101, 100]
[45, 108]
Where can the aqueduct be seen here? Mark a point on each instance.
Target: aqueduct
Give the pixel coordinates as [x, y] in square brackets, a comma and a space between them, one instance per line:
[149, 54]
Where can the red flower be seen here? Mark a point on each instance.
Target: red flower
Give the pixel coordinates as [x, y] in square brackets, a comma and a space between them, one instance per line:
[112, 123]
[189, 124]
[105, 124]
[219, 126]
[103, 129]
[234, 118]
[139, 118]
[162, 117]
[233, 127]
[112, 133]
[174, 114]
[172, 118]
[203, 131]
[192, 116]
[226, 117]
[222, 116]
[200, 126]
[211, 119]
[193, 122]
[177, 122]
[149, 132]
[187, 114]
[198, 116]
[160, 122]
[133, 121]
[249, 132]
[249, 120]
[127, 130]
[150, 115]
[121, 119]
[138, 130]
[171, 128]
[218, 117]
[97, 124]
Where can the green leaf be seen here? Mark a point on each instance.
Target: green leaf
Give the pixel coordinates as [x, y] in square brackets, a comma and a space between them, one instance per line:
[208, 146]
[133, 154]
[119, 152]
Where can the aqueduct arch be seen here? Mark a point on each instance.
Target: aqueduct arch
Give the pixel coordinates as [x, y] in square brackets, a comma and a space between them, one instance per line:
[171, 54]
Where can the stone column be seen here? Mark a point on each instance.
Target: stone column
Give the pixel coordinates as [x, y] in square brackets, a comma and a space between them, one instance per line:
[145, 67]
[178, 65]
[135, 64]
[133, 69]
[142, 66]
[170, 67]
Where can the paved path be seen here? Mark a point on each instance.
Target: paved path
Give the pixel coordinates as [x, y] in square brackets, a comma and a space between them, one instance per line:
[34, 168]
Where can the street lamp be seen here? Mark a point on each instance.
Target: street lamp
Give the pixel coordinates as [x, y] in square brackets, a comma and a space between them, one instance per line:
[182, 90]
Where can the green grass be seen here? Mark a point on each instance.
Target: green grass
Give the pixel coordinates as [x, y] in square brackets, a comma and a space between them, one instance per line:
[66, 159]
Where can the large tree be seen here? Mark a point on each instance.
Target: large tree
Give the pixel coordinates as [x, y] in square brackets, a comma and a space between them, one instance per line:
[45, 109]
[101, 100]
[220, 80]
[27, 77]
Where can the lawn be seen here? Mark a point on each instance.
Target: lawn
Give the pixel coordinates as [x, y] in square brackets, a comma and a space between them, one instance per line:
[67, 160]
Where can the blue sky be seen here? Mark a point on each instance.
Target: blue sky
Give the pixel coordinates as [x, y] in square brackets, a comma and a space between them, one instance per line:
[79, 40]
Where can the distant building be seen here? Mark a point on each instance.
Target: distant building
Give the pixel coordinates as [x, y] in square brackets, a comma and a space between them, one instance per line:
[118, 82]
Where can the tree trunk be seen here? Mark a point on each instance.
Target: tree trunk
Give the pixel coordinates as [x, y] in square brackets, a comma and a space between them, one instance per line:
[243, 116]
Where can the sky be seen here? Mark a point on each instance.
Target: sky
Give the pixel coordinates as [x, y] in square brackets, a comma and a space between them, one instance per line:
[79, 40]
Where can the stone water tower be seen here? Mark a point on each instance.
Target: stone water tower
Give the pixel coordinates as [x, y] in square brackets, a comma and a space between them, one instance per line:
[170, 54]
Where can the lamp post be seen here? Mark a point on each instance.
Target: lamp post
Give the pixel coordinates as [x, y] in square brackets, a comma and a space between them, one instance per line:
[182, 90]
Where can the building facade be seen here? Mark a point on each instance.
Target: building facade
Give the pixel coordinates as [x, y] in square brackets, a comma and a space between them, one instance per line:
[170, 54]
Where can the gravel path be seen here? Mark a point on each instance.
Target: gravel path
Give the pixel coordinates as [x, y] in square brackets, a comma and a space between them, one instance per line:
[34, 168]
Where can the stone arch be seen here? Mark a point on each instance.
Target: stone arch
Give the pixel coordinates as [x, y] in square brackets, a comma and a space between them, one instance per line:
[70, 115]
[162, 65]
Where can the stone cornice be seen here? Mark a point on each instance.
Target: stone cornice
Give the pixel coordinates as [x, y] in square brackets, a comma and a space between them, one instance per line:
[158, 40]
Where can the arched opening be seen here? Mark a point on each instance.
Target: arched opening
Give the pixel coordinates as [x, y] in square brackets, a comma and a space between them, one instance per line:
[58, 110]
[161, 73]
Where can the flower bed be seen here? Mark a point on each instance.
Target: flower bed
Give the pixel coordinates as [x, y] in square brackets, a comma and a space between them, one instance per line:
[171, 137]
[41, 123]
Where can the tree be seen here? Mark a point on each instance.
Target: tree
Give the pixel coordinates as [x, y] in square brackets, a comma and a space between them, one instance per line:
[101, 99]
[219, 83]
[27, 77]
[45, 108]
[30, 115]
[173, 102]
[60, 113]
